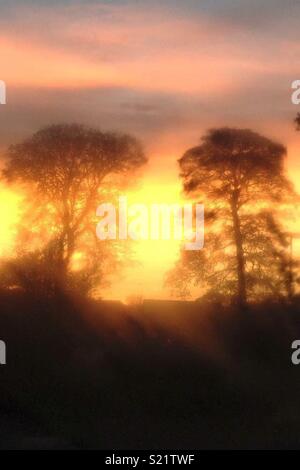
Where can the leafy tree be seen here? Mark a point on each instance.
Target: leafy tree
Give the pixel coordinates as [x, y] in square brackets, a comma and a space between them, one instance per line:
[68, 169]
[238, 174]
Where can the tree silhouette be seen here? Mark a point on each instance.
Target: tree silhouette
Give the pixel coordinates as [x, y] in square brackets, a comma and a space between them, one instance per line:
[68, 168]
[297, 122]
[237, 173]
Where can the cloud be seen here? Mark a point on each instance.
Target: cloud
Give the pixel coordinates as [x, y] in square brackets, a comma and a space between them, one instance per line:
[149, 68]
[133, 45]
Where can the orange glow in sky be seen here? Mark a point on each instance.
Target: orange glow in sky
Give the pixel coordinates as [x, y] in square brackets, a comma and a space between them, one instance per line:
[153, 258]
[9, 210]
[164, 72]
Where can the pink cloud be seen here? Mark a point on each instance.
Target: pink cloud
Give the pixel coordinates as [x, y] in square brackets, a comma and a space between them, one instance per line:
[126, 47]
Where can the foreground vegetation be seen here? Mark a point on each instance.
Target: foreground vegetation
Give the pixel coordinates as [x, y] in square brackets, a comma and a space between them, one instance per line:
[86, 374]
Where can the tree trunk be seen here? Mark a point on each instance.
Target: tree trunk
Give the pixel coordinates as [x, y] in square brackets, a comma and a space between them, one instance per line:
[241, 287]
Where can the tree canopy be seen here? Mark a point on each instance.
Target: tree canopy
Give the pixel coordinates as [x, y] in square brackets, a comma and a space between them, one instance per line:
[239, 176]
[67, 169]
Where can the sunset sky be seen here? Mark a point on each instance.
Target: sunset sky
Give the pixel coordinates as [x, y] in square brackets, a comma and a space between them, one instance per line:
[164, 71]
